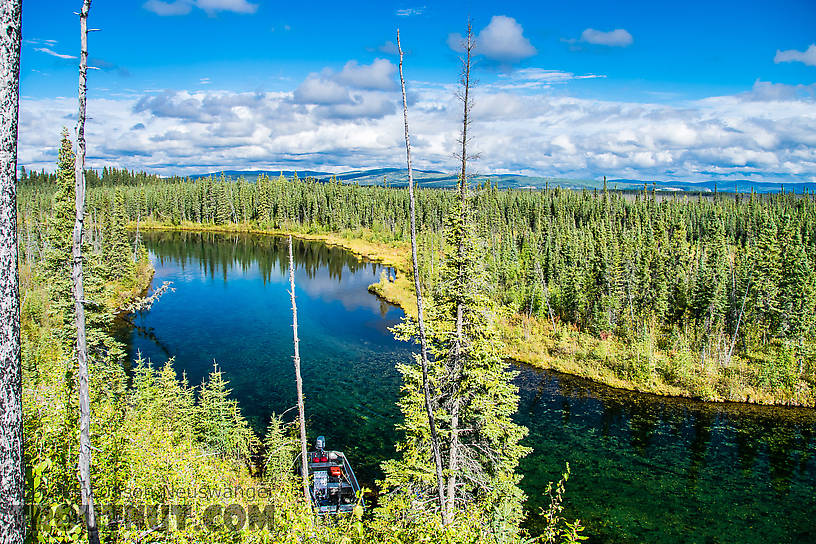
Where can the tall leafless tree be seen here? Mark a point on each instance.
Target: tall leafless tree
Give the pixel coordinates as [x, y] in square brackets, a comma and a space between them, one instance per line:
[423, 342]
[458, 354]
[12, 527]
[304, 462]
[86, 489]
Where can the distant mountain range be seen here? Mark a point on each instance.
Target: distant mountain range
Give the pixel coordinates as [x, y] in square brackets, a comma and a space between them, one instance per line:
[398, 177]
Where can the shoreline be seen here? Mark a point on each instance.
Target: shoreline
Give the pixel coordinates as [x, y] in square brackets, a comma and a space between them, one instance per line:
[529, 341]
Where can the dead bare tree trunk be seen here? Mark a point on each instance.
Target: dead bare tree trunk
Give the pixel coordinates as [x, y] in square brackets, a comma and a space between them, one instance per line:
[423, 342]
[86, 489]
[458, 354]
[136, 240]
[739, 320]
[12, 523]
[546, 295]
[304, 462]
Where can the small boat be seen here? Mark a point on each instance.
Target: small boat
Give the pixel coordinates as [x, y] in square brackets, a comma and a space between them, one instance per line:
[333, 486]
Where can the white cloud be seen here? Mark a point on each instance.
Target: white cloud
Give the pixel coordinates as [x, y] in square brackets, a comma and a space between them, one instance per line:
[764, 91]
[358, 91]
[389, 48]
[48, 51]
[766, 134]
[178, 7]
[330, 87]
[808, 56]
[614, 38]
[38, 41]
[211, 7]
[537, 78]
[409, 12]
[377, 75]
[373, 106]
[237, 6]
[501, 40]
[318, 90]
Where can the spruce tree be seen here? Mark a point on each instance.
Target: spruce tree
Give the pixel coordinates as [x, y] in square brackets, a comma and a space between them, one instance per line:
[55, 267]
[219, 423]
[116, 248]
[466, 368]
[280, 450]
[797, 290]
[765, 290]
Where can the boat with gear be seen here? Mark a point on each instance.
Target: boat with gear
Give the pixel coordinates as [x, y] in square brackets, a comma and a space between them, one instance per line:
[332, 483]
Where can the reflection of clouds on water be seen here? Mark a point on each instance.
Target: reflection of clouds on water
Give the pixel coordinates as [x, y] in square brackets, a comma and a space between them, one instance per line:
[178, 270]
[351, 292]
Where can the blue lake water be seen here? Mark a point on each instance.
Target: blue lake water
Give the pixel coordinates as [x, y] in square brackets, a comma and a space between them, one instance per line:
[644, 468]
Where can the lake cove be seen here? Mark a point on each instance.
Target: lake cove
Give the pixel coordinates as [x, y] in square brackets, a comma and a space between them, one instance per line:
[644, 468]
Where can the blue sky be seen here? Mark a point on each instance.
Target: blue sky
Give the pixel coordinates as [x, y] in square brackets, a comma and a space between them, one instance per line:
[686, 90]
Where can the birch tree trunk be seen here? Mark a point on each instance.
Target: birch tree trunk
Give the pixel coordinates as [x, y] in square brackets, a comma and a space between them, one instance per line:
[423, 342]
[12, 526]
[304, 462]
[86, 489]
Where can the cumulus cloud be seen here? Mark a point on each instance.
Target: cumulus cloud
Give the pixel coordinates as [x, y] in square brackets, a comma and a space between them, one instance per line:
[501, 40]
[614, 38]
[768, 133]
[377, 75]
[199, 107]
[316, 89]
[330, 87]
[211, 7]
[358, 91]
[373, 106]
[808, 56]
[764, 91]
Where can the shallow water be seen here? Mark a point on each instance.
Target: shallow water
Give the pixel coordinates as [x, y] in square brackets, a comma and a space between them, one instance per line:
[644, 468]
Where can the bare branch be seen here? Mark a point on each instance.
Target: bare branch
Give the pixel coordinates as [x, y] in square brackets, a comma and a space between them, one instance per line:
[145, 303]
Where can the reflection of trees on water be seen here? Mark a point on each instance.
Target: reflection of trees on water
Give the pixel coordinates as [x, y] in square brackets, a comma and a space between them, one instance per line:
[700, 426]
[220, 252]
[124, 324]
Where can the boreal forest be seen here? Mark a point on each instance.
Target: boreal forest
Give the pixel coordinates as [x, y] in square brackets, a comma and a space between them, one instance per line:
[525, 320]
